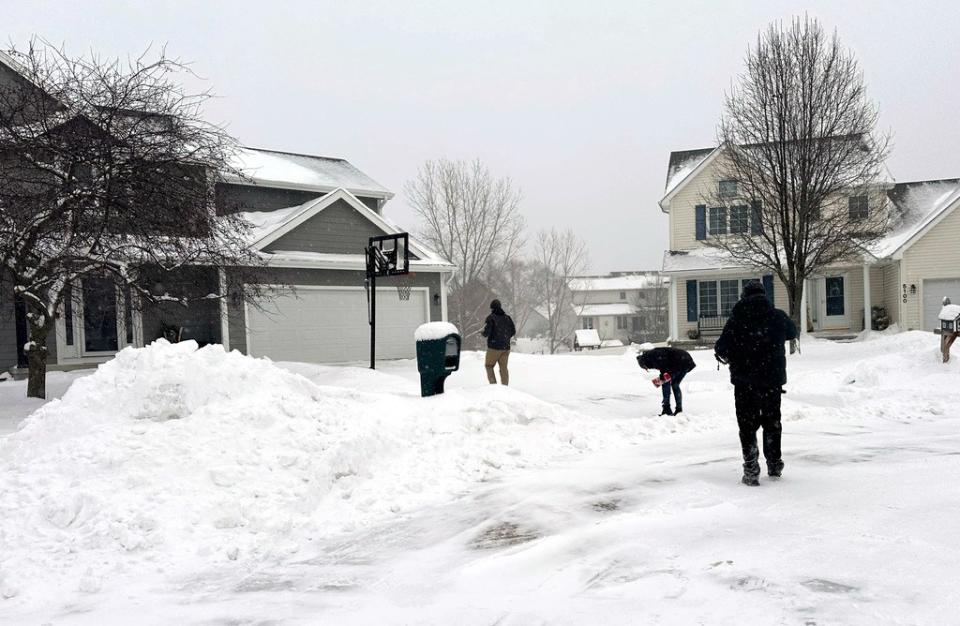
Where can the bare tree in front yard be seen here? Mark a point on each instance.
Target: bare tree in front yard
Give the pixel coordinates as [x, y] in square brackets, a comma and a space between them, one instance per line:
[801, 171]
[107, 170]
[562, 255]
[652, 307]
[473, 219]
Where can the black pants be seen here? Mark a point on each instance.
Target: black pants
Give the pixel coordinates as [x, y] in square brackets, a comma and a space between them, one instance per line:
[675, 380]
[759, 407]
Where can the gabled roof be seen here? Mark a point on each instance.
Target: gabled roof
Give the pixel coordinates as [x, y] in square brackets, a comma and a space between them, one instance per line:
[270, 226]
[683, 167]
[619, 281]
[919, 206]
[289, 170]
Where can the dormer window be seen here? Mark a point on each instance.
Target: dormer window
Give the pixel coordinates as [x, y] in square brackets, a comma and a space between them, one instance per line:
[858, 207]
[623, 295]
[728, 189]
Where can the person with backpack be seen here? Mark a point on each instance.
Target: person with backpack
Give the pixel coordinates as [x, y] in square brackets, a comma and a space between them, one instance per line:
[499, 330]
[752, 344]
[673, 364]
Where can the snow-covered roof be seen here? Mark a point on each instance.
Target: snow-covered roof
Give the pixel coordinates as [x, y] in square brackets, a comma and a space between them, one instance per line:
[682, 164]
[587, 337]
[303, 171]
[918, 205]
[269, 226]
[698, 259]
[624, 282]
[598, 310]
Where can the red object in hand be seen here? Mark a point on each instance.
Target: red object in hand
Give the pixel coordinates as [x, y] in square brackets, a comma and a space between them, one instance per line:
[657, 382]
[666, 377]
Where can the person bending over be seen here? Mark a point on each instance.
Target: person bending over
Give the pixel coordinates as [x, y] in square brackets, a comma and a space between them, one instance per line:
[673, 364]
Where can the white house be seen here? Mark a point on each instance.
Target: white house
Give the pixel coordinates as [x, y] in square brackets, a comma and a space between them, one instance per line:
[625, 306]
[908, 272]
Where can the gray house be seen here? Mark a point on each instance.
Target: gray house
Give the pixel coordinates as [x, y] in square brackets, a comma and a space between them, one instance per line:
[312, 217]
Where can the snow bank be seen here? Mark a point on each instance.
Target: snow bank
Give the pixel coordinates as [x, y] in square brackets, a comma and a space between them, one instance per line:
[171, 458]
[434, 330]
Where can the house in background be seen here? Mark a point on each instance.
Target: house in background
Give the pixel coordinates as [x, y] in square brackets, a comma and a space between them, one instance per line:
[312, 219]
[907, 273]
[622, 306]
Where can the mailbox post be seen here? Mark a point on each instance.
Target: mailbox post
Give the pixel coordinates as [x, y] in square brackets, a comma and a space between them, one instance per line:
[949, 327]
[438, 355]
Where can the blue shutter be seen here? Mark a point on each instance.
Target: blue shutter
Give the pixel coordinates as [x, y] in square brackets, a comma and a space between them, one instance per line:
[701, 210]
[691, 301]
[768, 286]
[756, 223]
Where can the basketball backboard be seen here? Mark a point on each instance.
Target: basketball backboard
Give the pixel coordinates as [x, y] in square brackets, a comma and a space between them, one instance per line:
[389, 255]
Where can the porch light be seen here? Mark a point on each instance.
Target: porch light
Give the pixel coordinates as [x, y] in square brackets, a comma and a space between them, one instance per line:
[436, 299]
[913, 290]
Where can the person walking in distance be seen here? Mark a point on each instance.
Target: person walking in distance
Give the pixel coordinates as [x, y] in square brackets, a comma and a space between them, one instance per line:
[673, 364]
[498, 330]
[752, 343]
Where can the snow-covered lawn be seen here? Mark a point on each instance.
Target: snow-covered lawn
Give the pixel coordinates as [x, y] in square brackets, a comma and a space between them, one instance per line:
[182, 486]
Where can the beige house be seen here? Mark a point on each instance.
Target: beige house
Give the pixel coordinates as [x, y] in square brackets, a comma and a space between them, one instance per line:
[621, 306]
[907, 273]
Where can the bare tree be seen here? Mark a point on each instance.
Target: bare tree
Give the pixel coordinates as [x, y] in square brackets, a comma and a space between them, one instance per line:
[473, 219]
[802, 160]
[107, 171]
[651, 305]
[562, 256]
[516, 283]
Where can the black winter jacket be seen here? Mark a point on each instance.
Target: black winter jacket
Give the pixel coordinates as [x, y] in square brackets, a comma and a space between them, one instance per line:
[753, 341]
[668, 360]
[498, 330]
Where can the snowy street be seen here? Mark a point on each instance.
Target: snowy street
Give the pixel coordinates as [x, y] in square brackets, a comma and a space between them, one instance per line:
[181, 486]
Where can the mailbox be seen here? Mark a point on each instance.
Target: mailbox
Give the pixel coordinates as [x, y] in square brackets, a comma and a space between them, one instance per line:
[438, 355]
[949, 327]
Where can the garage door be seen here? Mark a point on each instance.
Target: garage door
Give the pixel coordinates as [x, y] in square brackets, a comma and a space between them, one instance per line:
[329, 325]
[933, 293]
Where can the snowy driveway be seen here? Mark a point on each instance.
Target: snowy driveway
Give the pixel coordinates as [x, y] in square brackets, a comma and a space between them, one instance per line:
[594, 512]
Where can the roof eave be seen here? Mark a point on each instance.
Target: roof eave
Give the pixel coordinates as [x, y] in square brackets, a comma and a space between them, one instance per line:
[281, 184]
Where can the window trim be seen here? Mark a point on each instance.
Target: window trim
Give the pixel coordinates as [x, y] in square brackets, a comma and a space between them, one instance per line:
[860, 212]
[728, 194]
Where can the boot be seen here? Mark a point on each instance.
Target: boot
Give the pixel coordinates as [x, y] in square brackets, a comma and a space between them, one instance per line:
[666, 410]
[750, 480]
[678, 410]
[775, 470]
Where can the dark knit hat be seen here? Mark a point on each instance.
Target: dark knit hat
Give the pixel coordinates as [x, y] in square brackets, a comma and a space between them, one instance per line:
[753, 288]
[496, 305]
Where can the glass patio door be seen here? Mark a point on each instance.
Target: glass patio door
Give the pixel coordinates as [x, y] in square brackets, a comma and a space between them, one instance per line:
[99, 316]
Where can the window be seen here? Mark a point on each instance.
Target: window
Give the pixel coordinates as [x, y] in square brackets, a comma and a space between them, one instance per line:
[621, 322]
[636, 324]
[728, 188]
[718, 220]
[587, 323]
[708, 298]
[729, 294]
[623, 295]
[739, 220]
[858, 207]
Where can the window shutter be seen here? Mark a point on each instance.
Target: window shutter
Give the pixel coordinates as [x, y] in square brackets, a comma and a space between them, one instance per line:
[756, 223]
[701, 210]
[768, 286]
[691, 301]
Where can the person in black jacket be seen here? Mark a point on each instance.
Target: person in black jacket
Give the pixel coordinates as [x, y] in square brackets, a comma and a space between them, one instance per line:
[673, 361]
[752, 343]
[498, 330]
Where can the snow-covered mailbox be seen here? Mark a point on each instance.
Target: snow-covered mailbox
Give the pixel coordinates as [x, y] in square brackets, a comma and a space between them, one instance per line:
[438, 355]
[949, 327]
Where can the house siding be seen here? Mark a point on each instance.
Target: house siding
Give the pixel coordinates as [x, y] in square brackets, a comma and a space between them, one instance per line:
[891, 291]
[325, 278]
[681, 208]
[237, 198]
[936, 255]
[337, 229]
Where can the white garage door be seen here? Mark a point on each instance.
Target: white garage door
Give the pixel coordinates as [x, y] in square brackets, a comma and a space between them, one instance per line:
[329, 325]
[933, 293]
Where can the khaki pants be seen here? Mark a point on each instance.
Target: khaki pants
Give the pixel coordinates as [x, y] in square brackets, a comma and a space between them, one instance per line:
[497, 357]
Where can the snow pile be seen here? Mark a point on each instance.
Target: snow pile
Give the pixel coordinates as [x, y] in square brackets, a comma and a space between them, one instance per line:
[171, 458]
[434, 330]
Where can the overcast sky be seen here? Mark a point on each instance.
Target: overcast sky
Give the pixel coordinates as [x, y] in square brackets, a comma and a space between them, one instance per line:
[580, 103]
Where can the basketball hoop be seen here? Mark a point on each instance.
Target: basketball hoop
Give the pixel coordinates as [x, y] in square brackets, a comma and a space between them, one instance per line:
[403, 290]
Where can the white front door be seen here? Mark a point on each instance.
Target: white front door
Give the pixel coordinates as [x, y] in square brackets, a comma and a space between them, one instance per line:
[834, 302]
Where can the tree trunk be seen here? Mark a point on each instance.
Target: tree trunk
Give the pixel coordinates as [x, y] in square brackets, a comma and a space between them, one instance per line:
[795, 294]
[37, 359]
